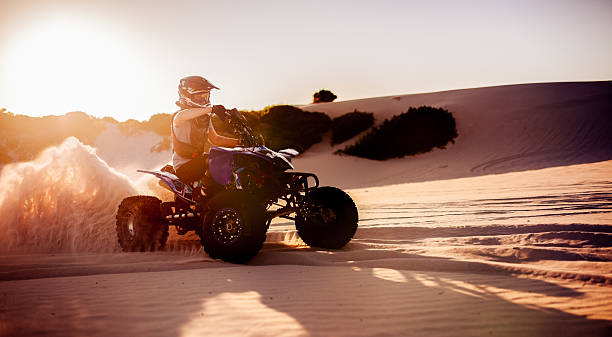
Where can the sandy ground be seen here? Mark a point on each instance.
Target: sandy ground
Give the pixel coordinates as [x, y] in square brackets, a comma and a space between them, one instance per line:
[497, 243]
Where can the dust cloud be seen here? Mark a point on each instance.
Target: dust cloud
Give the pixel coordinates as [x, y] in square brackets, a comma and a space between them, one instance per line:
[63, 201]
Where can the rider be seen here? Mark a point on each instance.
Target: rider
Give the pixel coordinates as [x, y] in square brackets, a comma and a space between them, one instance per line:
[192, 130]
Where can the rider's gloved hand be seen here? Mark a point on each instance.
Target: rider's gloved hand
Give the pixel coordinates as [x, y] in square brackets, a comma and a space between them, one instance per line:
[218, 109]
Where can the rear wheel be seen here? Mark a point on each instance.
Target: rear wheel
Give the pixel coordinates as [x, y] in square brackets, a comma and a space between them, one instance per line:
[140, 227]
[233, 229]
[329, 218]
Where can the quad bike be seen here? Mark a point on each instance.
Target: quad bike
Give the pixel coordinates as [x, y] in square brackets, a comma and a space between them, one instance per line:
[246, 187]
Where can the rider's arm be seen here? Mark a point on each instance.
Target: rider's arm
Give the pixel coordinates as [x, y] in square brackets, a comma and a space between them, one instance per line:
[218, 140]
[191, 113]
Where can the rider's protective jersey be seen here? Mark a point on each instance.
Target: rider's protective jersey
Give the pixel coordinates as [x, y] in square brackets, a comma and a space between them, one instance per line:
[189, 130]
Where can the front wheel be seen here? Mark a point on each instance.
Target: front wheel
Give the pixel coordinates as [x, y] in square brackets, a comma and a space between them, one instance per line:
[140, 227]
[234, 228]
[329, 218]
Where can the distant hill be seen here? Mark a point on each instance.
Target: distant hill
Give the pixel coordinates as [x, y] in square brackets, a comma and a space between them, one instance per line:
[23, 137]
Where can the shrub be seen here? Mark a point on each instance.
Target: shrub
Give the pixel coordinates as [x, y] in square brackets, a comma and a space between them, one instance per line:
[323, 96]
[418, 130]
[159, 123]
[285, 126]
[349, 125]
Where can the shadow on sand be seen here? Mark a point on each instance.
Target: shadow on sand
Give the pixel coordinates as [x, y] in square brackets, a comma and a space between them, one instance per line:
[292, 291]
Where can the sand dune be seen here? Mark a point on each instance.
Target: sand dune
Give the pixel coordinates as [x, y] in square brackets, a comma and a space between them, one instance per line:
[508, 232]
[501, 129]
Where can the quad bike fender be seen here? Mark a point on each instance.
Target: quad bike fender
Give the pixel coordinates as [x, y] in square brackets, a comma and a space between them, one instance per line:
[289, 153]
[170, 182]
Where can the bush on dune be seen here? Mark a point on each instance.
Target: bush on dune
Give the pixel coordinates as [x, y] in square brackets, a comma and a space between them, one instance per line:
[323, 96]
[285, 126]
[349, 125]
[418, 130]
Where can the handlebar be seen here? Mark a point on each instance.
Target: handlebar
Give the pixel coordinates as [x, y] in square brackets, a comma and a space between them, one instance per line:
[240, 126]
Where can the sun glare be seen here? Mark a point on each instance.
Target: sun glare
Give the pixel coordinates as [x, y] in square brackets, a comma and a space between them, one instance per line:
[66, 65]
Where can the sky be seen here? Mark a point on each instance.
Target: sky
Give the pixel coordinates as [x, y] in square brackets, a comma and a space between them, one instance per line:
[123, 58]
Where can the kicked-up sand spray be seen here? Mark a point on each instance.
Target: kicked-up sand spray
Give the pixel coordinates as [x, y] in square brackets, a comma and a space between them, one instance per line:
[63, 201]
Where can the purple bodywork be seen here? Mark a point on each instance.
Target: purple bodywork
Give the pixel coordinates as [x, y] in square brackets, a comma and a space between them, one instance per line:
[221, 166]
